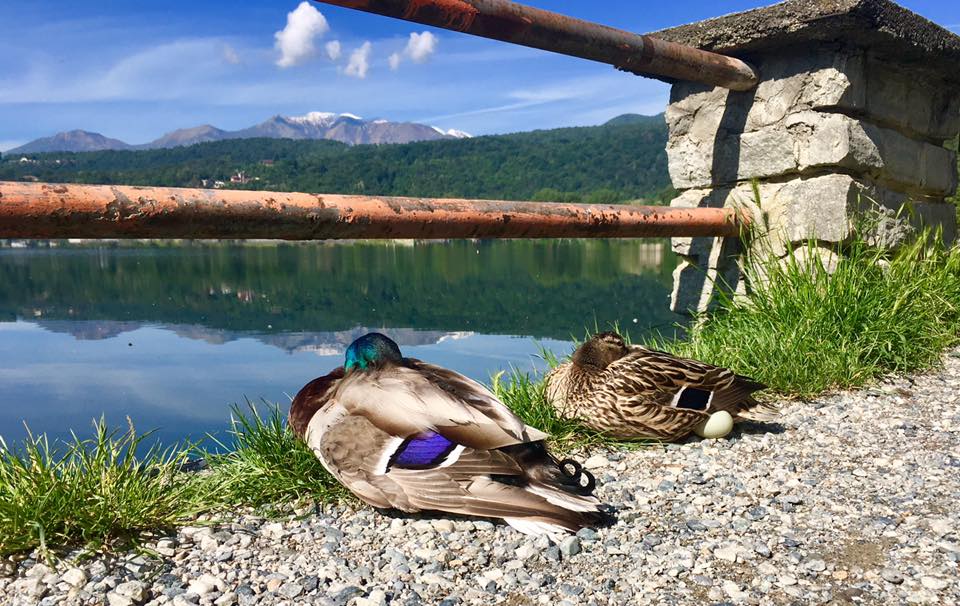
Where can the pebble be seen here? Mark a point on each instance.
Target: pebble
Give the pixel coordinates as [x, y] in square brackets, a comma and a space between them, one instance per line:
[75, 577]
[762, 549]
[933, 583]
[570, 546]
[847, 499]
[115, 599]
[227, 599]
[597, 461]
[134, 590]
[728, 553]
[891, 576]
[290, 590]
[203, 585]
[588, 535]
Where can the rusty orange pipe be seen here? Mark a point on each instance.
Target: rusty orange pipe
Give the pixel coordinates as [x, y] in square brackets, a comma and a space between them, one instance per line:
[47, 210]
[537, 28]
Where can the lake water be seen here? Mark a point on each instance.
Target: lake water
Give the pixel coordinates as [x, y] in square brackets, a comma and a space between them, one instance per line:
[172, 336]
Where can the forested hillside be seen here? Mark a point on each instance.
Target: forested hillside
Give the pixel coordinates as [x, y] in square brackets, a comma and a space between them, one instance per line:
[622, 160]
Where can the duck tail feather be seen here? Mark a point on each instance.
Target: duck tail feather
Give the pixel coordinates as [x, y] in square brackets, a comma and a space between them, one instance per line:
[755, 410]
[538, 526]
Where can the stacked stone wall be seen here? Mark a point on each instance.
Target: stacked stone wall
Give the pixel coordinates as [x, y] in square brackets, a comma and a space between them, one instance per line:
[827, 134]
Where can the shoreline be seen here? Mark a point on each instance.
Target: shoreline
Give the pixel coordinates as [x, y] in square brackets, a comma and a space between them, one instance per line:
[812, 510]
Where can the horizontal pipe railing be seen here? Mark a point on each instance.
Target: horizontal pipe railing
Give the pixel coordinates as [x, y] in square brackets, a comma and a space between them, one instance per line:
[47, 210]
[519, 24]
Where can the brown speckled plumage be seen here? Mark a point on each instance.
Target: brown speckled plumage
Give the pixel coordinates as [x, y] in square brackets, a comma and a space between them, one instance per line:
[631, 392]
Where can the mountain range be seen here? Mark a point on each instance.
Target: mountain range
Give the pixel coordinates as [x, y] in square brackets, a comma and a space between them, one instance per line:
[346, 128]
[621, 160]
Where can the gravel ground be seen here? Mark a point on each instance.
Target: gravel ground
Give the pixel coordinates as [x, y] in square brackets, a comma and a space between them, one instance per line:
[852, 499]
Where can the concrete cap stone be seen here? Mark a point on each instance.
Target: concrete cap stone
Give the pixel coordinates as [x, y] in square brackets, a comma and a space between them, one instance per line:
[879, 25]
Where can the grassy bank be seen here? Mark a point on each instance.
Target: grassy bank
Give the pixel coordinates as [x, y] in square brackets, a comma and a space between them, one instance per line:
[806, 330]
[803, 330]
[99, 493]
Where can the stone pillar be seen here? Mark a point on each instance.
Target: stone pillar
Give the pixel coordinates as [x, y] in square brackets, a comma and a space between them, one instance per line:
[856, 102]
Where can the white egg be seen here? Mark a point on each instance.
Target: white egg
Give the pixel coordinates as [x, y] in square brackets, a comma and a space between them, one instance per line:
[716, 425]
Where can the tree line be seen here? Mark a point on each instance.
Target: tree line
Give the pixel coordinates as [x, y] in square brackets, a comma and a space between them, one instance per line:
[624, 160]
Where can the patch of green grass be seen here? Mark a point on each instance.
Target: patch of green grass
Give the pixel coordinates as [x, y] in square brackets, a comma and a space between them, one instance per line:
[525, 394]
[100, 494]
[266, 464]
[805, 330]
[95, 492]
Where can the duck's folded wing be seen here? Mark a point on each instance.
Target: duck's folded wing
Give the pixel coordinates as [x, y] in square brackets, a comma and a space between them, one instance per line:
[428, 471]
[478, 397]
[650, 420]
[681, 383]
[405, 401]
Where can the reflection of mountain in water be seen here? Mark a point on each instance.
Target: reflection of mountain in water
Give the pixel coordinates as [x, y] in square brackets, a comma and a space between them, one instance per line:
[540, 288]
[89, 330]
[322, 343]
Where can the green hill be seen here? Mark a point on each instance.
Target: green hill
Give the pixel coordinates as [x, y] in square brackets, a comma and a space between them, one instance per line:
[632, 119]
[621, 160]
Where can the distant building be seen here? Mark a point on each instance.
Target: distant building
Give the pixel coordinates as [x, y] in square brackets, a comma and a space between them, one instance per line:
[266, 162]
[240, 177]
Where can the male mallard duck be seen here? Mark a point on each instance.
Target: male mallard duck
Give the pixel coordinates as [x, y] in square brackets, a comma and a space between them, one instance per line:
[398, 432]
[634, 392]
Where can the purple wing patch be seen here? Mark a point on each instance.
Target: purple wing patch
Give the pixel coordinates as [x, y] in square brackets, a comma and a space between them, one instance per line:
[425, 450]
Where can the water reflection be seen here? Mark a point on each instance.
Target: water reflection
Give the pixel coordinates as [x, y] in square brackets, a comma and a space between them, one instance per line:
[171, 336]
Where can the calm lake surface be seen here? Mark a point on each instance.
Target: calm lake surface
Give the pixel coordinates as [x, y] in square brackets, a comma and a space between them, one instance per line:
[172, 336]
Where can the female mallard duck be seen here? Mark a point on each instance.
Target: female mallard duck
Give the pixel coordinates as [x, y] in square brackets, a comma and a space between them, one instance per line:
[634, 392]
[398, 432]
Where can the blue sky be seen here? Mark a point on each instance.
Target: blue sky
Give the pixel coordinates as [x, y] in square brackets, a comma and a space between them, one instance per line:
[135, 70]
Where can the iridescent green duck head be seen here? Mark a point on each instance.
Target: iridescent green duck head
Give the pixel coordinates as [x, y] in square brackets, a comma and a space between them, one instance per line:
[599, 351]
[372, 350]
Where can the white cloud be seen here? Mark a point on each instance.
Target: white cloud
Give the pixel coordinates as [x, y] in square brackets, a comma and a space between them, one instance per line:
[230, 55]
[420, 46]
[359, 61]
[295, 41]
[418, 49]
[394, 61]
[333, 50]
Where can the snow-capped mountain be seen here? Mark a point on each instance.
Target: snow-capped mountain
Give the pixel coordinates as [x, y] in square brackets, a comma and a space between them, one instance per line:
[452, 132]
[346, 128]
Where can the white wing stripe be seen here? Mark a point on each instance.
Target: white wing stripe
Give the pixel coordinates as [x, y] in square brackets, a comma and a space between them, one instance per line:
[453, 457]
[389, 450]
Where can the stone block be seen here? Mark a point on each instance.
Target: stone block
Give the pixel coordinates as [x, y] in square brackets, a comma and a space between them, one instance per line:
[826, 208]
[793, 80]
[915, 104]
[741, 196]
[831, 79]
[809, 142]
[696, 286]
